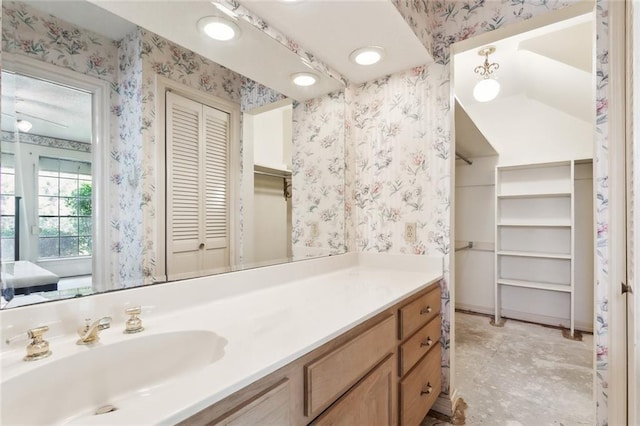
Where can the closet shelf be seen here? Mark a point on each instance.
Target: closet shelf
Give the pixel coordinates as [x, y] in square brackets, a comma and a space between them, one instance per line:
[536, 195]
[565, 288]
[535, 254]
[537, 202]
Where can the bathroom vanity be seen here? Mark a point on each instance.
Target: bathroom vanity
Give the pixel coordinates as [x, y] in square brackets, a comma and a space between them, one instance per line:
[386, 367]
[348, 339]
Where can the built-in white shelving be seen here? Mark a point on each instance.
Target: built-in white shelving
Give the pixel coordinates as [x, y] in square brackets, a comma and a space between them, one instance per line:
[535, 226]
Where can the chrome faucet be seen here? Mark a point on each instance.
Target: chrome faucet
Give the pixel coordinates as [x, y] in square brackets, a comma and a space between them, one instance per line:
[89, 333]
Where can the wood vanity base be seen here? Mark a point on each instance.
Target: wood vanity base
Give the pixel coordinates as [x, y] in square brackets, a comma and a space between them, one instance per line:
[385, 371]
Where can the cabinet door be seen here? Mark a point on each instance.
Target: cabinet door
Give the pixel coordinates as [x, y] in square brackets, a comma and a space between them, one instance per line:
[370, 402]
[269, 408]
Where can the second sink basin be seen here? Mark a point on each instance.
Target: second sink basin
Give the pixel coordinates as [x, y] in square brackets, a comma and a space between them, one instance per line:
[79, 384]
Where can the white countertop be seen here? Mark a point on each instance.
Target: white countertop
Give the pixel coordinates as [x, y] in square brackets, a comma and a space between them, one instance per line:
[265, 328]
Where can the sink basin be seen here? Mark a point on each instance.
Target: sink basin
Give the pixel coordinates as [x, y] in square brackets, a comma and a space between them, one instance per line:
[77, 385]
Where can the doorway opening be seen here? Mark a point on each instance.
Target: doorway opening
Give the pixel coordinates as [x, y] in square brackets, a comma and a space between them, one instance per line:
[524, 224]
[53, 138]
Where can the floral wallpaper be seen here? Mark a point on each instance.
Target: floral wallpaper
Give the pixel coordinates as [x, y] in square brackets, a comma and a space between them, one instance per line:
[452, 21]
[28, 31]
[32, 139]
[126, 191]
[318, 176]
[399, 169]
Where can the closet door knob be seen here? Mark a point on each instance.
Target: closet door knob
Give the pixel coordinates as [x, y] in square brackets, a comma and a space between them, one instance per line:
[201, 246]
[426, 310]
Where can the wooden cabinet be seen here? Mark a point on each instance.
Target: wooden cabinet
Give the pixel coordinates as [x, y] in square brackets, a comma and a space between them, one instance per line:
[331, 375]
[418, 312]
[370, 402]
[420, 388]
[268, 408]
[418, 345]
[419, 356]
[384, 371]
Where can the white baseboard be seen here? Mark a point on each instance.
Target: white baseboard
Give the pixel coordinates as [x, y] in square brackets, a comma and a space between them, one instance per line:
[526, 316]
[446, 404]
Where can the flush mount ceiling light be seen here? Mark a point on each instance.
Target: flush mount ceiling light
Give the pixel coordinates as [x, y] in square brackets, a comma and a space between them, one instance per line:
[24, 125]
[488, 87]
[219, 28]
[367, 55]
[304, 79]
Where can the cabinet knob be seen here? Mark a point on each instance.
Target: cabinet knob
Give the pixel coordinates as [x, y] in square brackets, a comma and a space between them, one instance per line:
[426, 310]
[427, 342]
[426, 390]
[201, 246]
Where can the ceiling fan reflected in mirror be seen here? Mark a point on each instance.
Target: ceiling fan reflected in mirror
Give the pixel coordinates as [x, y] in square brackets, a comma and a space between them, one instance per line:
[25, 125]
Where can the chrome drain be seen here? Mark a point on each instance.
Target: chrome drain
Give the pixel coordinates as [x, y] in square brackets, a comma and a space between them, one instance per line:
[105, 409]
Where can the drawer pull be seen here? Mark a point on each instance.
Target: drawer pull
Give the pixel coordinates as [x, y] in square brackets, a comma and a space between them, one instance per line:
[426, 310]
[428, 389]
[427, 342]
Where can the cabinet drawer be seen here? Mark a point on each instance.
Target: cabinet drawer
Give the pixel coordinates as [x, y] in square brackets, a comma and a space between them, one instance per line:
[420, 389]
[370, 402]
[419, 312]
[330, 376]
[270, 407]
[418, 345]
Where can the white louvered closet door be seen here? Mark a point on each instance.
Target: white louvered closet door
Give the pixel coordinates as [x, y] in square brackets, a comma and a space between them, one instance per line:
[197, 188]
[215, 158]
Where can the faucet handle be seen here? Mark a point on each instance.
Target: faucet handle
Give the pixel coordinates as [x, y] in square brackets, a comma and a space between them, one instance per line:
[133, 324]
[38, 348]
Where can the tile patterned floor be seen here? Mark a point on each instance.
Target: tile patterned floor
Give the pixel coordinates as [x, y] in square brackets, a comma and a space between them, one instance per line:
[521, 375]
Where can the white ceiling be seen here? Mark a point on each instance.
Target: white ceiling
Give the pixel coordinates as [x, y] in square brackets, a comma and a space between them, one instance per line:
[53, 110]
[254, 54]
[331, 30]
[470, 142]
[551, 65]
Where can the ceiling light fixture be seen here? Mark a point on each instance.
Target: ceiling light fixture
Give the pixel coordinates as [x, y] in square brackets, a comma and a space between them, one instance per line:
[219, 28]
[488, 87]
[304, 79]
[24, 125]
[367, 55]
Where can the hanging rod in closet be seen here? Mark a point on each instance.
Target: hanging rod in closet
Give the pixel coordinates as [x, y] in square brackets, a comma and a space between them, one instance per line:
[468, 246]
[465, 159]
[285, 175]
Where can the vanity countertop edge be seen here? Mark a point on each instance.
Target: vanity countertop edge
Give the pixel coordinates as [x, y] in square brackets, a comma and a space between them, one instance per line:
[266, 327]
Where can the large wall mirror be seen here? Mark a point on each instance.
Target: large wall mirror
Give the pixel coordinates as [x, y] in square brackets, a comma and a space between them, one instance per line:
[135, 151]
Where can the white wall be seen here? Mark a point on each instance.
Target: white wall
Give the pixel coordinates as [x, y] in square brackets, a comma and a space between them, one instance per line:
[267, 140]
[475, 221]
[272, 138]
[523, 130]
[272, 236]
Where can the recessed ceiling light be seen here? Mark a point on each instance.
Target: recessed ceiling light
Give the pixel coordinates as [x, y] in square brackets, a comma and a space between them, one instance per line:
[304, 79]
[24, 125]
[219, 28]
[367, 55]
